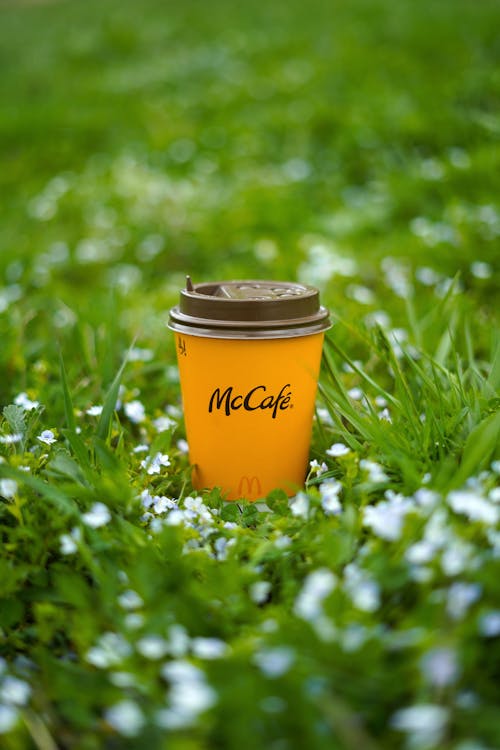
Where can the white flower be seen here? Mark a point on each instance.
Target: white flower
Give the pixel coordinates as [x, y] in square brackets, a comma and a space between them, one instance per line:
[460, 597]
[162, 504]
[11, 439]
[299, 505]
[189, 695]
[140, 449]
[385, 415]
[376, 474]
[69, 541]
[330, 491]
[316, 587]
[420, 552]
[47, 437]
[110, 650]
[489, 624]
[94, 411]
[316, 469]
[15, 692]
[126, 717]
[135, 411]
[8, 488]
[364, 591]
[209, 648]
[130, 600]
[178, 640]
[152, 646]
[154, 464]
[259, 591]
[274, 662]
[97, 516]
[183, 446]
[439, 666]
[387, 517]
[425, 723]
[26, 403]
[8, 718]
[162, 424]
[136, 354]
[474, 506]
[338, 449]
[481, 270]
[356, 394]
[456, 557]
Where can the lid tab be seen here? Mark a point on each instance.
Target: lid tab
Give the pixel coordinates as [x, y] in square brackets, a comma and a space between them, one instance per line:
[249, 309]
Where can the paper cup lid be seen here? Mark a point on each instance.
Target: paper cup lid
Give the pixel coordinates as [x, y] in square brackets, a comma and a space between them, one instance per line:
[249, 309]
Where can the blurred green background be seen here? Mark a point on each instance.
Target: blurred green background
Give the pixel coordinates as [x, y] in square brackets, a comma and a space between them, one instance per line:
[143, 141]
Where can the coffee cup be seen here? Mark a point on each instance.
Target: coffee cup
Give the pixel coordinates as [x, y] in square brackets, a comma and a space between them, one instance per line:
[249, 355]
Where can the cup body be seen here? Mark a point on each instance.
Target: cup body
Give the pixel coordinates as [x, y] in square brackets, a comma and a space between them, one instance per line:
[248, 408]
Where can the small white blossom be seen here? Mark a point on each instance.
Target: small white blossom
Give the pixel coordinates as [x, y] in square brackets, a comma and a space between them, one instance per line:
[178, 641]
[299, 505]
[111, 649]
[11, 439]
[439, 667]
[474, 506]
[135, 411]
[26, 403]
[94, 411]
[385, 415]
[209, 648]
[259, 591]
[387, 517]
[356, 394]
[126, 717]
[136, 354]
[183, 446]
[68, 542]
[15, 692]
[316, 469]
[152, 646]
[460, 597]
[162, 504]
[140, 448]
[130, 599]
[420, 553]
[330, 491]
[97, 516]
[489, 624]
[189, 695]
[134, 620]
[153, 465]
[8, 488]
[338, 449]
[425, 723]
[274, 662]
[162, 424]
[316, 587]
[364, 591]
[376, 474]
[481, 270]
[8, 718]
[47, 437]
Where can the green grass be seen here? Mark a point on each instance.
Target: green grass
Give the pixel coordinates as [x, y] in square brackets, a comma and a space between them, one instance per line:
[352, 145]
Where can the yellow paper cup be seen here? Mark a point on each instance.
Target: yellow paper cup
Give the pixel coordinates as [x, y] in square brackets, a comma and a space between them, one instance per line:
[249, 356]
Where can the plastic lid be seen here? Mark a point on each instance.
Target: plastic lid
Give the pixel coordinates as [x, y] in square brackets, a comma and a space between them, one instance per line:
[249, 309]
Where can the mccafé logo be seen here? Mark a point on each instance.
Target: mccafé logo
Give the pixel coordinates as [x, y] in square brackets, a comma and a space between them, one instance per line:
[255, 398]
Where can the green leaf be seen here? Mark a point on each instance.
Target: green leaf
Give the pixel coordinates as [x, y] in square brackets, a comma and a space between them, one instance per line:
[104, 424]
[15, 416]
[479, 448]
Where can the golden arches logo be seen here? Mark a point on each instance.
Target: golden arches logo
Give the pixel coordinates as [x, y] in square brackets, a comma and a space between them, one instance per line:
[249, 487]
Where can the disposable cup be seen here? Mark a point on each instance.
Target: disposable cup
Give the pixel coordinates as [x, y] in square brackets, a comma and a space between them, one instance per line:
[249, 355]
